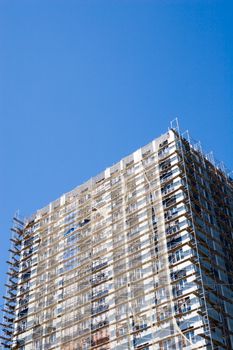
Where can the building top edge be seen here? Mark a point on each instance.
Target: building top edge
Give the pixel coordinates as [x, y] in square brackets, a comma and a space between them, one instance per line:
[172, 131]
[96, 178]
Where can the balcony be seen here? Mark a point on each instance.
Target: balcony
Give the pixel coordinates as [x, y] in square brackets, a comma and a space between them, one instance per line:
[99, 266]
[23, 301]
[99, 294]
[25, 276]
[100, 341]
[101, 277]
[173, 243]
[178, 274]
[99, 324]
[99, 309]
[22, 313]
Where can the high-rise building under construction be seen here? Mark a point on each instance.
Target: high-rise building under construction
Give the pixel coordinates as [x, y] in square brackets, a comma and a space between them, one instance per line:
[139, 257]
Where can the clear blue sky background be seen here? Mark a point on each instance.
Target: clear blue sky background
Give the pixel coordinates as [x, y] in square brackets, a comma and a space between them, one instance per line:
[84, 83]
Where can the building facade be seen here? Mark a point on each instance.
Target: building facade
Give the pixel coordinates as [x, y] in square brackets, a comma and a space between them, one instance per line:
[139, 257]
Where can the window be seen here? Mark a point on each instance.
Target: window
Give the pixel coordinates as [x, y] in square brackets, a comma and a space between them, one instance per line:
[191, 336]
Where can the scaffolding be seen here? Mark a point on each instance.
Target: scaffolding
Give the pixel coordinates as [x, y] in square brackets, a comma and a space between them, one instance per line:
[132, 259]
[8, 311]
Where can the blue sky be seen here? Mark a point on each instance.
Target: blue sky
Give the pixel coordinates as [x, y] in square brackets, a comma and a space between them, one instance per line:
[84, 83]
